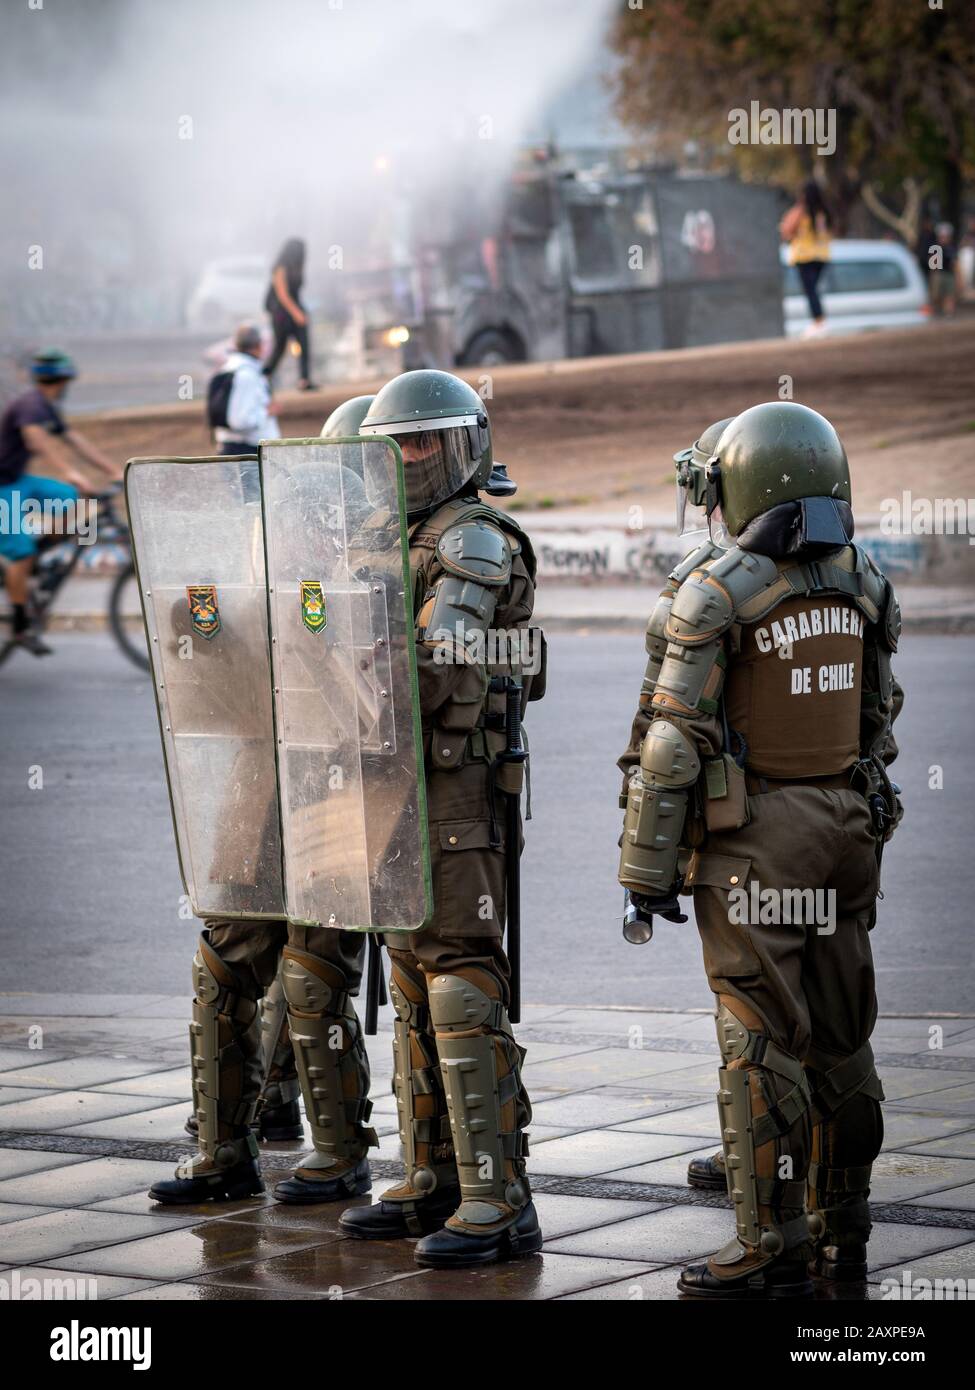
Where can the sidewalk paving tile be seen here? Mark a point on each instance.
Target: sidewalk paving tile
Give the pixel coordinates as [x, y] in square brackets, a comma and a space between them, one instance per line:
[955, 1100]
[20, 1211]
[83, 1184]
[924, 1131]
[602, 1066]
[695, 1075]
[595, 1109]
[69, 1005]
[904, 1177]
[662, 1285]
[186, 1253]
[541, 1052]
[140, 1120]
[560, 1215]
[538, 1277]
[921, 1083]
[60, 1234]
[896, 1242]
[174, 1083]
[10, 1094]
[673, 1234]
[331, 1264]
[956, 1263]
[206, 1293]
[959, 1144]
[14, 1163]
[700, 1120]
[79, 1073]
[13, 1058]
[671, 1171]
[69, 1111]
[165, 1218]
[960, 1198]
[594, 1152]
[86, 1287]
[319, 1218]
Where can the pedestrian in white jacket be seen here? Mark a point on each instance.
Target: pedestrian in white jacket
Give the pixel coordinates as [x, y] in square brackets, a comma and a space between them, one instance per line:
[251, 413]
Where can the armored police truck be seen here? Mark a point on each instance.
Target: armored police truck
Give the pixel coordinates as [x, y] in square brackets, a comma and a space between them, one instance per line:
[578, 264]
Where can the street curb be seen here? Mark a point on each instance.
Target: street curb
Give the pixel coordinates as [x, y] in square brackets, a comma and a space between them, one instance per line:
[931, 624]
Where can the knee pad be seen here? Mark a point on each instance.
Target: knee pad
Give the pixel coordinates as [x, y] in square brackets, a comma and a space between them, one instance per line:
[311, 986]
[408, 991]
[460, 1005]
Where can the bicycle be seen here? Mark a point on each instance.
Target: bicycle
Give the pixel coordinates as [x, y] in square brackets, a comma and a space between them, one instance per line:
[57, 558]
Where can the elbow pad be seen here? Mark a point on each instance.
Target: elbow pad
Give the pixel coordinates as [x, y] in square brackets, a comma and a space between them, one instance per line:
[459, 609]
[656, 807]
[656, 644]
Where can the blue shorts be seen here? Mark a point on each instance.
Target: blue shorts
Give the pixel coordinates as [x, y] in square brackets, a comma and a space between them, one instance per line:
[20, 503]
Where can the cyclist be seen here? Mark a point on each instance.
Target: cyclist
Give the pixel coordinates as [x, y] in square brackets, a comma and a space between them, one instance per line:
[28, 428]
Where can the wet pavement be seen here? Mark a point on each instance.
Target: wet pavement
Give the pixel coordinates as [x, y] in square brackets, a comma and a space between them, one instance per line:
[623, 1098]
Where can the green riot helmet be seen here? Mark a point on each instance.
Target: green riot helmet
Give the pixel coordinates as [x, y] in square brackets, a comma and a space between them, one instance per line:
[691, 484]
[778, 453]
[442, 428]
[346, 418]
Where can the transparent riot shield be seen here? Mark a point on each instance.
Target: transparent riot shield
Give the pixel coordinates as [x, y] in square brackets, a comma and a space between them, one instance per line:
[346, 710]
[198, 541]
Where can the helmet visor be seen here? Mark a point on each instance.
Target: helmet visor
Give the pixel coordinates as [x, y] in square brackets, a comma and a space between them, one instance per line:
[692, 517]
[436, 464]
[718, 529]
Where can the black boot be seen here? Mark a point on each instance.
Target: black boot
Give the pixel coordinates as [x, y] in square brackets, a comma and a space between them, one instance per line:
[210, 1183]
[783, 1278]
[397, 1220]
[313, 1184]
[708, 1173]
[450, 1248]
[277, 1122]
[841, 1235]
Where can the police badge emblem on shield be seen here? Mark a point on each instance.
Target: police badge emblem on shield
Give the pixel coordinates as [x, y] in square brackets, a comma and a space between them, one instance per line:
[312, 601]
[204, 612]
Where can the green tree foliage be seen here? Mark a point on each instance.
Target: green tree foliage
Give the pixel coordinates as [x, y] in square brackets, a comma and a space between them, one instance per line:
[899, 74]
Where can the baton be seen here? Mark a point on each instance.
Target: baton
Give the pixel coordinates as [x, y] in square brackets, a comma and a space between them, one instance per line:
[375, 984]
[514, 753]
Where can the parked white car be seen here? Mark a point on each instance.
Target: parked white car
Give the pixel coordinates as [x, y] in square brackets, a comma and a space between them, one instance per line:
[865, 284]
[229, 290]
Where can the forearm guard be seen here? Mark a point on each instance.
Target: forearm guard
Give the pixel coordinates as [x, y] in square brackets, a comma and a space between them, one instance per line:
[459, 609]
[656, 807]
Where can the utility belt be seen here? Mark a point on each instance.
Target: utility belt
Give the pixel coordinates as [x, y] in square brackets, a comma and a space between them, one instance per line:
[725, 786]
[449, 748]
[471, 726]
[756, 785]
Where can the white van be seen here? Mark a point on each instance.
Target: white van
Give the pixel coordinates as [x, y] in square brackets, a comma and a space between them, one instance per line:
[865, 284]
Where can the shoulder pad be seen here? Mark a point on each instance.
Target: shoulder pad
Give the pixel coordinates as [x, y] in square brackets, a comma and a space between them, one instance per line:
[657, 622]
[700, 555]
[876, 588]
[475, 550]
[878, 594]
[719, 593]
[892, 620]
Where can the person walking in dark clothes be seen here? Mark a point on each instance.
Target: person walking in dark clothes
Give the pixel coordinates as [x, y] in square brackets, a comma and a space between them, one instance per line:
[288, 317]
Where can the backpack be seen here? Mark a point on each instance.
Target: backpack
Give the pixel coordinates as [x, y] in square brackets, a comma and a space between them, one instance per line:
[218, 399]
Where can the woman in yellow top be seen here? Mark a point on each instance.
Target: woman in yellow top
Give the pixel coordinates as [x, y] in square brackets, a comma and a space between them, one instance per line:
[806, 227]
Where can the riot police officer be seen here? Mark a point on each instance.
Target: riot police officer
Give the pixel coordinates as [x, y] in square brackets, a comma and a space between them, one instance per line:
[757, 780]
[242, 1054]
[462, 1105]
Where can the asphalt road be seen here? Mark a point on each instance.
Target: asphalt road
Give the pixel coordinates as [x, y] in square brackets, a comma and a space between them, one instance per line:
[90, 889]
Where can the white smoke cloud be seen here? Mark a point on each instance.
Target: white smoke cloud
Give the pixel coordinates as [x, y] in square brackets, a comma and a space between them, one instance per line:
[298, 117]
